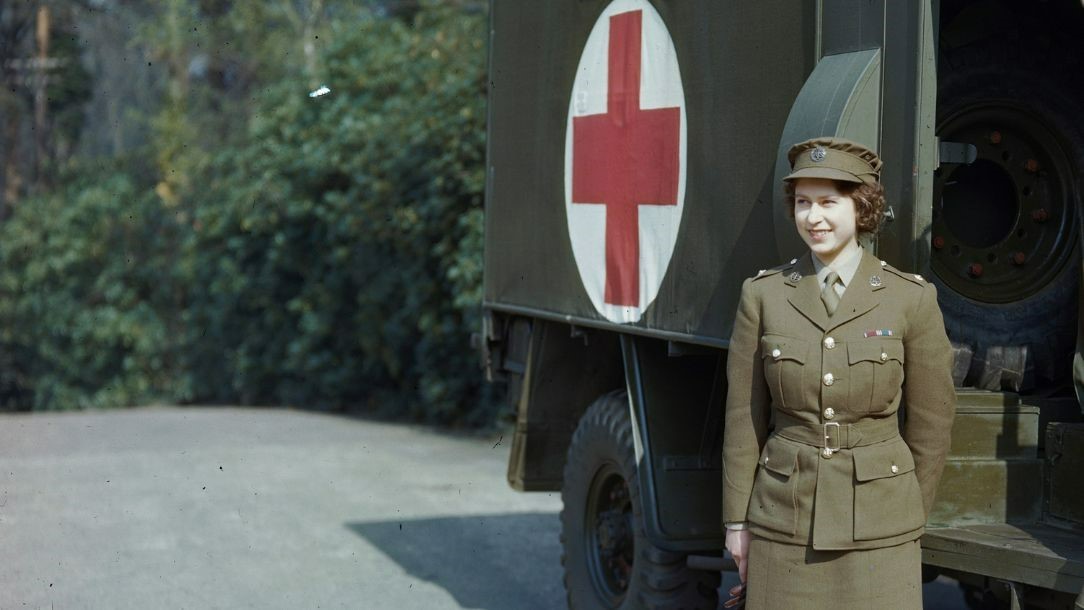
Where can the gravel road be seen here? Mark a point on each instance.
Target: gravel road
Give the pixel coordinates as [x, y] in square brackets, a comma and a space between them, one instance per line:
[167, 507]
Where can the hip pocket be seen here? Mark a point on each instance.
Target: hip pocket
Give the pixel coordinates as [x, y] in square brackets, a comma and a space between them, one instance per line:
[887, 498]
[774, 501]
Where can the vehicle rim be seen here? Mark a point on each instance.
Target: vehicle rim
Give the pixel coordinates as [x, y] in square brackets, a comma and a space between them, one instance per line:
[609, 534]
[1003, 226]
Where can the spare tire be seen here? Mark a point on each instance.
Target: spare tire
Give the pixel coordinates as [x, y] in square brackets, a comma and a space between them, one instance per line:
[1005, 234]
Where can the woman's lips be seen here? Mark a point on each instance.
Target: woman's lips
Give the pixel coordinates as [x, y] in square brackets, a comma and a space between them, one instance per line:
[819, 234]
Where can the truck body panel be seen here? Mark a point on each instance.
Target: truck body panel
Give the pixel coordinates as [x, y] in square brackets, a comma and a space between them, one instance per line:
[756, 78]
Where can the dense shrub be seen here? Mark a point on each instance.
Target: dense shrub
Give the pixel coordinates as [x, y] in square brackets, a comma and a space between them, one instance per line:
[330, 257]
[87, 296]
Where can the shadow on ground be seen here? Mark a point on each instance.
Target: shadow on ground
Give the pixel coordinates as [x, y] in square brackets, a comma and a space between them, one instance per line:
[513, 561]
[491, 562]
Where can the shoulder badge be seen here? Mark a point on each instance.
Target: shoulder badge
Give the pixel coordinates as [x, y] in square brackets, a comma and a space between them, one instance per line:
[914, 278]
[763, 273]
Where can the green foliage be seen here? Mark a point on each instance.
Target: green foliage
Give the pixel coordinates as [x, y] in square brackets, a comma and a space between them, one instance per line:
[341, 246]
[325, 254]
[87, 291]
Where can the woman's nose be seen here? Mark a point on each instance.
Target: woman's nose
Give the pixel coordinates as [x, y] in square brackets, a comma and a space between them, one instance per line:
[814, 213]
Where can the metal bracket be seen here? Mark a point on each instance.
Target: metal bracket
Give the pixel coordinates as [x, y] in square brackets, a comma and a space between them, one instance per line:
[578, 332]
[959, 153]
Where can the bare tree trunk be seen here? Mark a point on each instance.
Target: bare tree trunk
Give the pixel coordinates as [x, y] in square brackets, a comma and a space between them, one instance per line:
[13, 179]
[14, 24]
[306, 21]
[40, 100]
[315, 11]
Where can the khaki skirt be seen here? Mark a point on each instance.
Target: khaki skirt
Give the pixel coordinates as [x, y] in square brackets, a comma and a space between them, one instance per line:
[784, 576]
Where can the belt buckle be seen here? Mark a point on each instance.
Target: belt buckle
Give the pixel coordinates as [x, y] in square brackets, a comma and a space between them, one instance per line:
[828, 449]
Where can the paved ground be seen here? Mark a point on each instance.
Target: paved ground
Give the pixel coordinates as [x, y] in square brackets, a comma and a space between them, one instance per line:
[248, 508]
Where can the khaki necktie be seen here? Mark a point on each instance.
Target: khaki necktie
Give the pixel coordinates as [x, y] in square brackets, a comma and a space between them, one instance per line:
[829, 294]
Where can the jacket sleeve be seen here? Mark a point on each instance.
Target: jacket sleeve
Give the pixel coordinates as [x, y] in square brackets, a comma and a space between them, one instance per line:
[748, 407]
[929, 398]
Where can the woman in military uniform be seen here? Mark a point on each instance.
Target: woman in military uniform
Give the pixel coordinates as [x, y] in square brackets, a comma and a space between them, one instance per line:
[826, 488]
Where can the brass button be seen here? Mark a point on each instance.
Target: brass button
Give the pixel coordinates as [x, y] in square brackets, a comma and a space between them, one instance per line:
[829, 379]
[829, 343]
[776, 353]
[766, 458]
[829, 413]
[826, 452]
[895, 469]
[884, 356]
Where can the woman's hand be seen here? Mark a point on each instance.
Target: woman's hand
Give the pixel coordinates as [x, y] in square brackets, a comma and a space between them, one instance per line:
[737, 542]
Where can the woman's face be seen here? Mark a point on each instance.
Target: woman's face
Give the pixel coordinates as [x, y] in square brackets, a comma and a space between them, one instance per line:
[825, 218]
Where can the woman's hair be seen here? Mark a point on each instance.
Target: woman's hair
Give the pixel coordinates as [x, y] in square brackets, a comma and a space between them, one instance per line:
[869, 203]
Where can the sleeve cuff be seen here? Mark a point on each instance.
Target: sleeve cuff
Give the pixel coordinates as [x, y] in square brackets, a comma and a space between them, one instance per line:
[735, 525]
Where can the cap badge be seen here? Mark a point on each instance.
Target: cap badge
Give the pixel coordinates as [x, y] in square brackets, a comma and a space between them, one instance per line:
[818, 154]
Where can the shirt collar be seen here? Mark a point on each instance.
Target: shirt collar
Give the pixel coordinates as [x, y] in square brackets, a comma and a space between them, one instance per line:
[846, 269]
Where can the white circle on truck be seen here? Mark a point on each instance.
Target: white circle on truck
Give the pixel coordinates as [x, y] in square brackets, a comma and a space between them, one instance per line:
[625, 159]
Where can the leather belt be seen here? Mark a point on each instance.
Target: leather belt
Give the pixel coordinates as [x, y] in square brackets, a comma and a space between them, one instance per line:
[833, 436]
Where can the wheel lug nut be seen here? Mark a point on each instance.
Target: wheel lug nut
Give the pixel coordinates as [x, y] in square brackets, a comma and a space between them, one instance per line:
[995, 137]
[1040, 215]
[938, 242]
[974, 270]
[1031, 165]
[1019, 258]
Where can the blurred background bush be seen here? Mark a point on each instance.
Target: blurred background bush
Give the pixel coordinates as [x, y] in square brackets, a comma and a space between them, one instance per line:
[182, 222]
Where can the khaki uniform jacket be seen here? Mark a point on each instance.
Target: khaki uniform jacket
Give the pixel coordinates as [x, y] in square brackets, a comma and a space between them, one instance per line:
[792, 369]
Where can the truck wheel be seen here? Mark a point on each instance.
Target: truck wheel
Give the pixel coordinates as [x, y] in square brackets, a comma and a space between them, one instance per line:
[1005, 234]
[607, 558]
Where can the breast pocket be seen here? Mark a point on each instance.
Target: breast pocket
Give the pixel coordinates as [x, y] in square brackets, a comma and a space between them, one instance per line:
[887, 498]
[784, 366]
[876, 373]
[774, 501]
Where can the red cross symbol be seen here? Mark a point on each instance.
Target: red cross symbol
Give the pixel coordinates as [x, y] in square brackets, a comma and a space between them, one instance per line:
[625, 158]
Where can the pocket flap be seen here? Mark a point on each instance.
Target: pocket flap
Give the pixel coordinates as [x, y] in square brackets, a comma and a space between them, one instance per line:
[888, 459]
[778, 347]
[872, 350]
[779, 456]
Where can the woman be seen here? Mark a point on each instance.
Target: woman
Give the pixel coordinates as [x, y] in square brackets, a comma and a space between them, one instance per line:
[826, 488]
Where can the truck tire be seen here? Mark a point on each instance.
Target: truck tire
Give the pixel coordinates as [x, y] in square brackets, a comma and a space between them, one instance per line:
[1005, 235]
[607, 558]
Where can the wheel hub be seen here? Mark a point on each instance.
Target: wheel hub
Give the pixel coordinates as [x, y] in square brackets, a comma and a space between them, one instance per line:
[1003, 226]
[610, 540]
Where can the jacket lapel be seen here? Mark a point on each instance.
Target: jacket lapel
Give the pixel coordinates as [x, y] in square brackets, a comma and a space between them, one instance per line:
[860, 296]
[804, 293]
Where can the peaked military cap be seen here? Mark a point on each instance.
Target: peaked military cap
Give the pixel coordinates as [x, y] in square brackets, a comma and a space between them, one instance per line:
[834, 159]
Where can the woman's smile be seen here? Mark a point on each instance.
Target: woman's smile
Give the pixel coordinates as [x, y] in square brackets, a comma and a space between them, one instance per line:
[825, 219]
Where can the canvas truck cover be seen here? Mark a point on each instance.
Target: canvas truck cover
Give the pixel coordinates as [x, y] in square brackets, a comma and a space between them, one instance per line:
[635, 147]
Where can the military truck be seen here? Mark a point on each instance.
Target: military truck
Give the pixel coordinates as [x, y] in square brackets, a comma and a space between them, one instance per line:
[636, 150]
